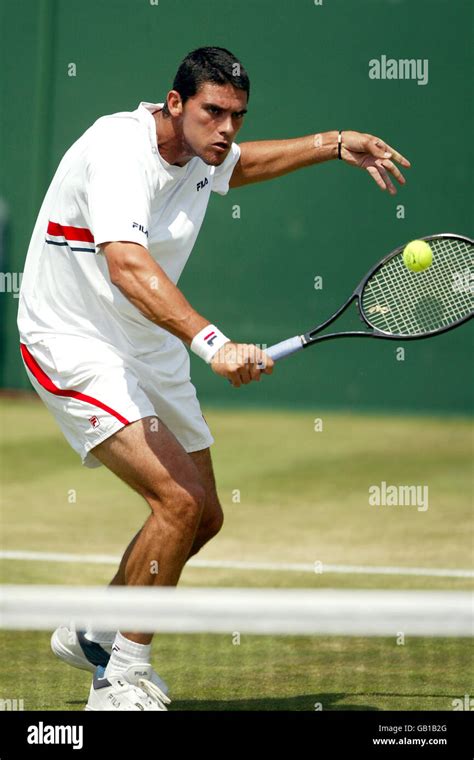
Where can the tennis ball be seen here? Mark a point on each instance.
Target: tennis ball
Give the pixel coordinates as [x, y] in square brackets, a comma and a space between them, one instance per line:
[417, 255]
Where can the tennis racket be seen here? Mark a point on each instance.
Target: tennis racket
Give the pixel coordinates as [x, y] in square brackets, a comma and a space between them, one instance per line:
[398, 304]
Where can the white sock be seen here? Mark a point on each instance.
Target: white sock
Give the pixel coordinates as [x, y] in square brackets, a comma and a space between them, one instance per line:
[100, 637]
[124, 654]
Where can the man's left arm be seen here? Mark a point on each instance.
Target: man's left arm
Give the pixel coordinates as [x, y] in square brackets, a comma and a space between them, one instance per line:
[267, 159]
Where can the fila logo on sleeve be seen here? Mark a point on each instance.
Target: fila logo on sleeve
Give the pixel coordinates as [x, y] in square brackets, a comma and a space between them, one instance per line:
[140, 228]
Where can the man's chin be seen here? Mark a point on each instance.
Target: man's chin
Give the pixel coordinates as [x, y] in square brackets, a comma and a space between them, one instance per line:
[212, 157]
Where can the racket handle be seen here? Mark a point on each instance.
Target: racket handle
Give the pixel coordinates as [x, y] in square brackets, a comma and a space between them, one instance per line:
[285, 348]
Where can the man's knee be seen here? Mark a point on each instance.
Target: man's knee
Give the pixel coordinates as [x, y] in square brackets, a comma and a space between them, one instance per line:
[179, 504]
[212, 520]
[210, 525]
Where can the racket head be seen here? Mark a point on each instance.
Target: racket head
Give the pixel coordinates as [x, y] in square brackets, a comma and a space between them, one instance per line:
[398, 303]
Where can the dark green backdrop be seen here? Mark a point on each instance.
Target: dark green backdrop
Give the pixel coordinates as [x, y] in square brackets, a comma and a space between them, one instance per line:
[309, 71]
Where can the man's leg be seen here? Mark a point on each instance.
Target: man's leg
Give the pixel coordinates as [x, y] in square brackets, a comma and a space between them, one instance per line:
[155, 465]
[212, 516]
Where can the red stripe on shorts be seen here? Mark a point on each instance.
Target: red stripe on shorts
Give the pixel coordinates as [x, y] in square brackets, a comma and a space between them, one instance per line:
[71, 233]
[48, 385]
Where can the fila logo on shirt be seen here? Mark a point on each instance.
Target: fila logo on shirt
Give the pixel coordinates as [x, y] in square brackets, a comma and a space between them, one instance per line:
[140, 228]
[200, 185]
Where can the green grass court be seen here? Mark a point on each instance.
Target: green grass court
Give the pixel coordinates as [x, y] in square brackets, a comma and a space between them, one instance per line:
[303, 499]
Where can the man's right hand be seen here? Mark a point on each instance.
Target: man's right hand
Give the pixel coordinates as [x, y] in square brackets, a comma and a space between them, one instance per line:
[241, 363]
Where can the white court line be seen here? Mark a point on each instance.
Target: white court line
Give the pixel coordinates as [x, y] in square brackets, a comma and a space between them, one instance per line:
[296, 567]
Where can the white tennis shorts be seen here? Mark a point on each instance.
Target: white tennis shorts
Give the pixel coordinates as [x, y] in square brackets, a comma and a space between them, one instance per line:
[93, 390]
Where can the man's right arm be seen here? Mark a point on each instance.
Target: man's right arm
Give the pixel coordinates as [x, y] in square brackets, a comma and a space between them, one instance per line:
[147, 286]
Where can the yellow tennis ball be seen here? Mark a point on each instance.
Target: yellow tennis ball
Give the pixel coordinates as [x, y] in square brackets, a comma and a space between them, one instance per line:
[417, 255]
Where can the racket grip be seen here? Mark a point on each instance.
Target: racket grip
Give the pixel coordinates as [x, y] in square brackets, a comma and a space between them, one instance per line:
[282, 349]
[285, 348]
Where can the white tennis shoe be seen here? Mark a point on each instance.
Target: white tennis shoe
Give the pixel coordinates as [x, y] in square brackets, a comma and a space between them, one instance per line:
[131, 690]
[73, 648]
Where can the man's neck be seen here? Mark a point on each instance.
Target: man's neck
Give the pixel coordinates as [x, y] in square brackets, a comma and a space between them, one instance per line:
[170, 143]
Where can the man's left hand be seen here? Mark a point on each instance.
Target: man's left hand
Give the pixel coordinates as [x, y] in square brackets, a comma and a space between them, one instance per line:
[374, 155]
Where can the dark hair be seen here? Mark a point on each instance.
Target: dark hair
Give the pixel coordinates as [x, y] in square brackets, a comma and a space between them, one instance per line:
[208, 64]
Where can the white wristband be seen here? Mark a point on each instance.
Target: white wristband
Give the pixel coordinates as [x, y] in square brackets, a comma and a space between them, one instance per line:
[207, 342]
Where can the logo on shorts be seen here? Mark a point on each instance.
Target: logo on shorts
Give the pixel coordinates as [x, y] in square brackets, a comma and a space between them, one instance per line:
[94, 422]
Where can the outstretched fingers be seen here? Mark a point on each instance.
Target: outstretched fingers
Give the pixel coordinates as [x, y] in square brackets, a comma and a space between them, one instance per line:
[395, 154]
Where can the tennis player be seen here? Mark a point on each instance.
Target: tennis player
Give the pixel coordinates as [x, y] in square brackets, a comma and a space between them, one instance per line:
[104, 327]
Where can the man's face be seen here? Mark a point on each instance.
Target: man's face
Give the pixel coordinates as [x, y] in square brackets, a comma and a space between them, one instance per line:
[211, 120]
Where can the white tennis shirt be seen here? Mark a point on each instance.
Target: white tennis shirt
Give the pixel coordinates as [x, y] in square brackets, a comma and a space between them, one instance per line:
[112, 184]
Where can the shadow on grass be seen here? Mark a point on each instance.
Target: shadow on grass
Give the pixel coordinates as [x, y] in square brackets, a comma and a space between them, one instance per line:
[302, 702]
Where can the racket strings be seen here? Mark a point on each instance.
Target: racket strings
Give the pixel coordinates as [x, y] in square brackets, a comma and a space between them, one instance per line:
[400, 302]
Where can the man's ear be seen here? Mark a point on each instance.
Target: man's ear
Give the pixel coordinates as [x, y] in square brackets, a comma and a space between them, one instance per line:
[175, 104]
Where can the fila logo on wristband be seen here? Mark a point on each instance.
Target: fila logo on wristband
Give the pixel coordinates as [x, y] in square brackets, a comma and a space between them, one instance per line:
[207, 342]
[210, 338]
